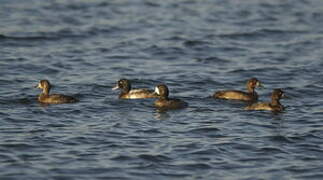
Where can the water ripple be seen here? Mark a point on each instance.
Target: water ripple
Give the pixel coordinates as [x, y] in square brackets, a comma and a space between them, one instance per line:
[196, 48]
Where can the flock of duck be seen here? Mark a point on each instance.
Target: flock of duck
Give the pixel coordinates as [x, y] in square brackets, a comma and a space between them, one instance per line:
[164, 102]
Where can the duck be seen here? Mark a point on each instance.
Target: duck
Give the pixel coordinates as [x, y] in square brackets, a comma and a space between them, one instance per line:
[128, 93]
[250, 95]
[274, 105]
[47, 98]
[164, 102]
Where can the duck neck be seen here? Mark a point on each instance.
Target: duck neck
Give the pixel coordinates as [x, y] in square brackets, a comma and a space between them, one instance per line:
[124, 91]
[251, 89]
[163, 97]
[126, 88]
[275, 101]
[46, 91]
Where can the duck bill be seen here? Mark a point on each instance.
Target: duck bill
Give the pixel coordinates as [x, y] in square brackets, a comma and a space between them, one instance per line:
[260, 85]
[37, 86]
[285, 97]
[115, 87]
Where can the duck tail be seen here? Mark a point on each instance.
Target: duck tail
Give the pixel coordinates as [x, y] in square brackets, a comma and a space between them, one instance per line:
[218, 94]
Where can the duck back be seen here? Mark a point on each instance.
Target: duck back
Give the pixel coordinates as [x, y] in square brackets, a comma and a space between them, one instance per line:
[138, 94]
[170, 103]
[56, 99]
[236, 95]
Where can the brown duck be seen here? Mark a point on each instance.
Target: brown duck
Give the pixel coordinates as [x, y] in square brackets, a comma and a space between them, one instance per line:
[128, 93]
[274, 105]
[47, 98]
[250, 95]
[164, 102]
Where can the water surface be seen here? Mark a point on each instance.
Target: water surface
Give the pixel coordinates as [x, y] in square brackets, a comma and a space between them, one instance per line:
[195, 47]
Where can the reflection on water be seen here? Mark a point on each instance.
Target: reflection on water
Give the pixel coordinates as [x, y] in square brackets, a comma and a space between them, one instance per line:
[161, 115]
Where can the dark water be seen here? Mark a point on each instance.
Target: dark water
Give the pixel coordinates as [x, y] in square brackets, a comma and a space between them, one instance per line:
[196, 47]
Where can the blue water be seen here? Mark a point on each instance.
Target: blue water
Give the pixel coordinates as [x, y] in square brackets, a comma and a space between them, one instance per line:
[196, 48]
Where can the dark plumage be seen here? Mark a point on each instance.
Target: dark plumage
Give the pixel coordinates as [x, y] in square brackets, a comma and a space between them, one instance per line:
[250, 95]
[128, 93]
[167, 103]
[274, 105]
[47, 98]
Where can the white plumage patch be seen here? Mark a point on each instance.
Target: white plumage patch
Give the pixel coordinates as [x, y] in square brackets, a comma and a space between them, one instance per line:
[115, 87]
[136, 91]
[157, 90]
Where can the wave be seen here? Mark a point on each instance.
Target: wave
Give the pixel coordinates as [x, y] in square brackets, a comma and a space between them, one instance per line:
[26, 38]
[261, 33]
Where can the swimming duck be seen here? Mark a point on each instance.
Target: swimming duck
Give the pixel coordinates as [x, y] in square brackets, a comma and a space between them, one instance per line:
[47, 98]
[274, 105]
[164, 102]
[250, 95]
[128, 93]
